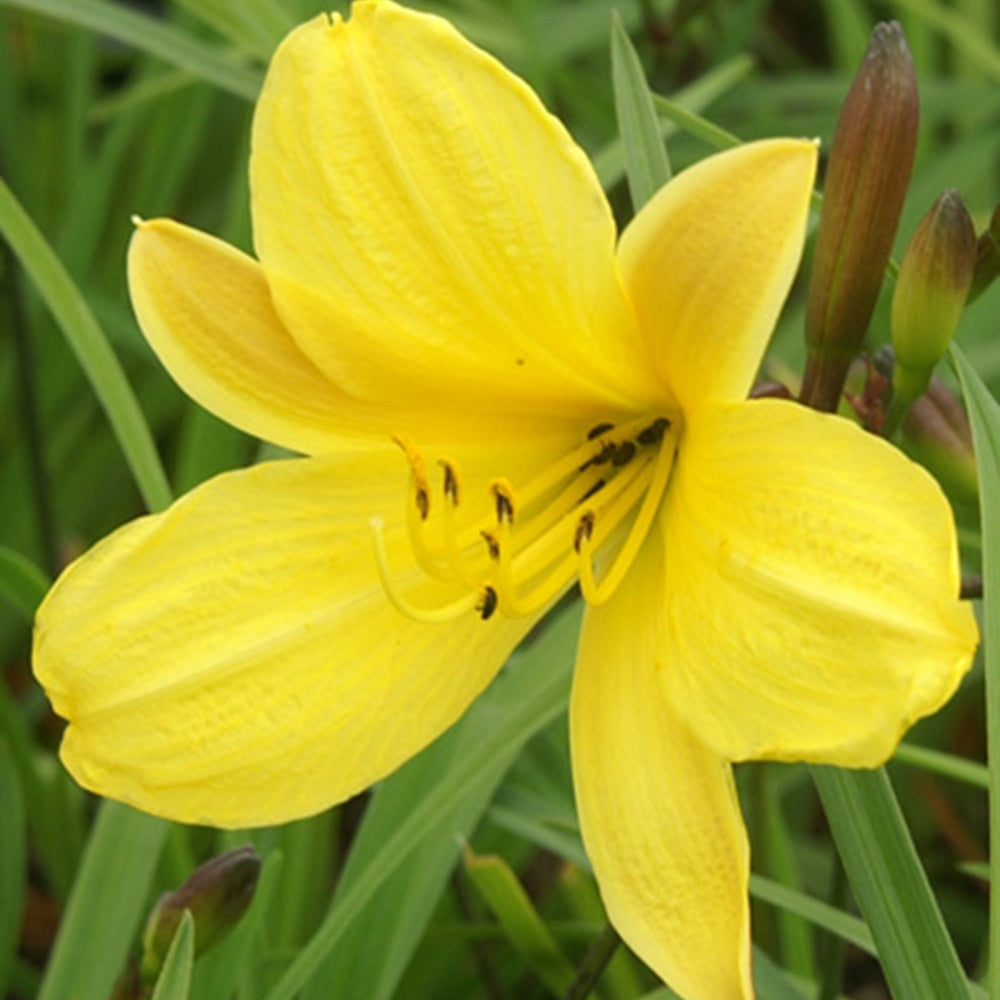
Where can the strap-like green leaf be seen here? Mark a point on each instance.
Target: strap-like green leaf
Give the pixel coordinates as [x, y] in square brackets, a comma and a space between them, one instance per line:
[917, 955]
[646, 165]
[174, 981]
[984, 415]
[519, 920]
[113, 880]
[90, 346]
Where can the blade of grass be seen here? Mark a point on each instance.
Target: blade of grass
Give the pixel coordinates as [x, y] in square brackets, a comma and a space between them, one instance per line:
[519, 921]
[694, 124]
[113, 881]
[174, 981]
[90, 346]
[917, 955]
[945, 764]
[536, 690]
[22, 583]
[646, 165]
[148, 34]
[984, 415]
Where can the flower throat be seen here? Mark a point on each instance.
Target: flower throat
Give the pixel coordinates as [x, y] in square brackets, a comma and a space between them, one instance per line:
[537, 538]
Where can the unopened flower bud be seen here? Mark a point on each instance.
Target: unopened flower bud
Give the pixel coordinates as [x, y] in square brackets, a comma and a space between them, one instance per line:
[869, 168]
[217, 895]
[987, 257]
[930, 294]
[939, 433]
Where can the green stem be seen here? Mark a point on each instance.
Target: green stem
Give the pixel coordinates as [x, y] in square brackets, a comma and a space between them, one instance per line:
[593, 965]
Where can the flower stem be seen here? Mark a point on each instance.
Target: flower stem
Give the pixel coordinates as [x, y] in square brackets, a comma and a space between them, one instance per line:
[593, 965]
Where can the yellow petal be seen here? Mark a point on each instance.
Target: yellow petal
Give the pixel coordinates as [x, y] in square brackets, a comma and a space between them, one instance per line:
[206, 310]
[234, 661]
[812, 577]
[409, 189]
[658, 810]
[709, 260]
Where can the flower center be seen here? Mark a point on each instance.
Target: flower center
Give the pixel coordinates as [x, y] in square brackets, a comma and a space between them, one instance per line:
[535, 539]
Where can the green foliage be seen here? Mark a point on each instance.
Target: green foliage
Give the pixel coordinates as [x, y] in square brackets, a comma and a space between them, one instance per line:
[109, 109]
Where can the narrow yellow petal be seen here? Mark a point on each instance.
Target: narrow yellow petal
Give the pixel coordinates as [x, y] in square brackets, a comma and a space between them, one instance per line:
[234, 661]
[658, 810]
[709, 260]
[812, 574]
[206, 310]
[409, 189]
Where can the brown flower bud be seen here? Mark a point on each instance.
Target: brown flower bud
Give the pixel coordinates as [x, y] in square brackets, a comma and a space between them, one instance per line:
[867, 175]
[217, 895]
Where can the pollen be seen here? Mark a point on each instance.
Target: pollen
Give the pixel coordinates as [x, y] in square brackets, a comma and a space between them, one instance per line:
[515, 550]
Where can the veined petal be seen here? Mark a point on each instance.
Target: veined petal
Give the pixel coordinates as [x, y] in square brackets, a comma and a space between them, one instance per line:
[206, 310]
[409, 189]
[709, 260]
[812, 578]
[658, 810]
[234, 661]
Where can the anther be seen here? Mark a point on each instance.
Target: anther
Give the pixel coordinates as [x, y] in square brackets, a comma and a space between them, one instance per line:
[653, 434]
[423, 502]
[623, 454]
[492, 544]
[487, 603]
[584, 529]
[596, 432]
[503, 497]
[451, 484]
[597, 487]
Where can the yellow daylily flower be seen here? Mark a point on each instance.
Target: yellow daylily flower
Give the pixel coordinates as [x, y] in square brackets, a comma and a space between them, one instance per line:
[497, 397]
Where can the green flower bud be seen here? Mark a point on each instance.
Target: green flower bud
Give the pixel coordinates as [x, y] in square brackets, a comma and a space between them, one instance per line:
[217, 895]
[987, 257]
[939, 434]
[930, 293]
[869, 168]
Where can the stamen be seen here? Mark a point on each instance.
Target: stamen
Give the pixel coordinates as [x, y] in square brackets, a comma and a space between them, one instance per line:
[597, 593]
[471, 601]
[540, 536]
[488, 604]
[453, 546]
[418, 472]
[452, 482]
[503, 496]
[596, 432]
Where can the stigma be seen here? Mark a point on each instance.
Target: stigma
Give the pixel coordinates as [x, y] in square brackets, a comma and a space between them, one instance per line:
[514, 551]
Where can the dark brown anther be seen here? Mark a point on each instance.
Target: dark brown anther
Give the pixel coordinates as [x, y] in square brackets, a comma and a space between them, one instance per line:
[599, 485]
[423, 503]
[624, 453]
[492, 545]
[450, 483]
[505, 507]
[488, 603]
[596, 432]
[584, 530]
[653, 434]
